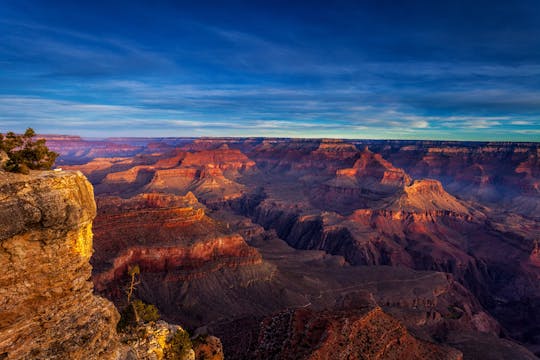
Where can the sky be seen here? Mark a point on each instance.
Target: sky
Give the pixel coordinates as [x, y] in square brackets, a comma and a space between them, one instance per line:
[456, 70]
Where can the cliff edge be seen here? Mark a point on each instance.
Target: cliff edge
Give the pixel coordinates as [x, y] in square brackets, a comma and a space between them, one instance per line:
[47, 303]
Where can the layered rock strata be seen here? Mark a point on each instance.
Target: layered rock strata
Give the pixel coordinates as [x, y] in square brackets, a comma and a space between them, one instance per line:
[165, 235]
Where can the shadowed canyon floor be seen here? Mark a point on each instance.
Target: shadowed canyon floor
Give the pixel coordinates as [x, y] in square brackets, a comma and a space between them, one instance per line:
[270, 243]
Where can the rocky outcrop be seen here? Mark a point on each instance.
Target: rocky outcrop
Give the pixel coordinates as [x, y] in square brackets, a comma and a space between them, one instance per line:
[173, 180]
[428, 196]
[371, 170]
[181, 262]
[130, 180]
[367, 333]
[208, 348]
[367, 184]
[208, 182]
[374, 237]
[329, 156]
[74, 148]
[210, 174]
[281, 154]
[230, 161]
[159, 341]
[47, 303]
[500, 174]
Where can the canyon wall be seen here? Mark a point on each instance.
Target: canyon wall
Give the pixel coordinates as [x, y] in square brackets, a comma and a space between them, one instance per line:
[47, 303]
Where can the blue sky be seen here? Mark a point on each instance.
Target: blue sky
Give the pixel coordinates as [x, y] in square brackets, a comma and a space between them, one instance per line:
[461, 70]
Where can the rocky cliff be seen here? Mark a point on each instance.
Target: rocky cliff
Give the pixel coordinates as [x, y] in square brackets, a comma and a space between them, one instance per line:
[47, 303]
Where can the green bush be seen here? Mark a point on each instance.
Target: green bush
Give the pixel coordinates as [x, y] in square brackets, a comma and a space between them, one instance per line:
[25, 154]
[146, 312]
[179, 346]
[137, 312]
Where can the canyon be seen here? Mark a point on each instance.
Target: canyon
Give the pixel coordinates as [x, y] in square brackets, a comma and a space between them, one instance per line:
[322, 247]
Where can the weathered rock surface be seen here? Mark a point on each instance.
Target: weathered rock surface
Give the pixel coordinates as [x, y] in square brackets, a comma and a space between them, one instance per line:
[47, 306]
[160, 341]
[173, 242]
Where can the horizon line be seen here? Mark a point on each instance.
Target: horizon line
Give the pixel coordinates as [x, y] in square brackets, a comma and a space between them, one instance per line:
[111, 138]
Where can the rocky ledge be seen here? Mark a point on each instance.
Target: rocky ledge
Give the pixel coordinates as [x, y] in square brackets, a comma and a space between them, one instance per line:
[47, 303]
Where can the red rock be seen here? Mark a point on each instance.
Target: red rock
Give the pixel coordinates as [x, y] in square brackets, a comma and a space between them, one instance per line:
[162, 233]
[223, 158]
[324, 197]
[372, 167]
[353, 334]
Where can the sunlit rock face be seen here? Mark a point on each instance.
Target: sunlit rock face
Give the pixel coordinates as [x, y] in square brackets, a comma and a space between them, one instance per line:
[368, 182]
[210, 174]
[47, 303]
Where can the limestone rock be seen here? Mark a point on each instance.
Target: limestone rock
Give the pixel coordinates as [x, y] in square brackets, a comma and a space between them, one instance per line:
[208, 347]
[47, 303]
[157, 341]
[3, 159]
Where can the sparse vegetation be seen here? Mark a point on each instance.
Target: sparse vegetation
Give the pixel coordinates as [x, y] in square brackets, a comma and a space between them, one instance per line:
[180, 346]
[136, 311]
[145, 312]
[134, 272]
[24, 153]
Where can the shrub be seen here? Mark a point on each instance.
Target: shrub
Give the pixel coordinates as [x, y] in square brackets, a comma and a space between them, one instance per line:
[127, 319]
[137, 312]
[145, 312]
[25, 154]
[179, 346]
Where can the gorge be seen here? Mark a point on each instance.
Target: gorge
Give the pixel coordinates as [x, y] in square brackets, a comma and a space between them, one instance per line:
[239, 233]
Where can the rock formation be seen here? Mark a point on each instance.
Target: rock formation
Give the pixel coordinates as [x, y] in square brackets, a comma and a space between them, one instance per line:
[73, 148]
[366, 333]
[497, 174]
[47, 303]
[169, 237]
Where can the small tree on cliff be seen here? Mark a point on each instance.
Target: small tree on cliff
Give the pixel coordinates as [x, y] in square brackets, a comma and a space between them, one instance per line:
[25, 154]
[133, 271]
[136, 311]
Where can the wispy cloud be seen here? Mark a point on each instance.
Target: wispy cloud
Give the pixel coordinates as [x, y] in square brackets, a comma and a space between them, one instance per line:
[352, 71]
